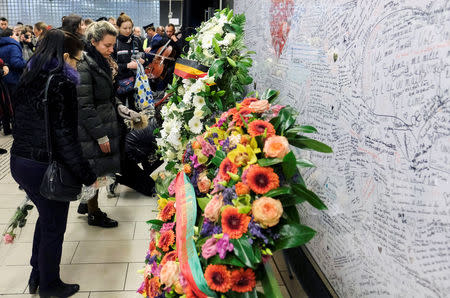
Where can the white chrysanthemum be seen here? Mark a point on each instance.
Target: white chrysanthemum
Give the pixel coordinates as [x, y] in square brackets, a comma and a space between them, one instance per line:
[186, 83]
[187, 97]
[174, 138]
[195, 125]
[222, 20]
[170, 155]
[164, 111]
[198, 113]
[198, 102]
[228, 39]
[197, 87]
[234, 140]
[206, 40]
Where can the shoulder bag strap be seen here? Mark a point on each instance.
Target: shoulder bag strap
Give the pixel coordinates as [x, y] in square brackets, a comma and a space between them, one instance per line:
[47, 120]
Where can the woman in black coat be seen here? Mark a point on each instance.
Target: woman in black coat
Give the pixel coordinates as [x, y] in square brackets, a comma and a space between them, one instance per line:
[58, 55]
[99, 128]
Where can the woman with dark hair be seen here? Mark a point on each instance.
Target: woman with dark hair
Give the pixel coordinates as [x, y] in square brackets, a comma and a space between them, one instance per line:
[74, 24]
[127, 50]
[58, 55]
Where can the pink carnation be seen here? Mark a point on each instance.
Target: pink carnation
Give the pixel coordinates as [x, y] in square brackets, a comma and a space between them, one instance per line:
[167, 227]
[209, 249]
[8, 238]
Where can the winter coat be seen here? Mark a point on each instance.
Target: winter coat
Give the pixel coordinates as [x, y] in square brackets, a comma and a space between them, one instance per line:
[11, 53]
[97, 117]
[29, 126]
[126, 47]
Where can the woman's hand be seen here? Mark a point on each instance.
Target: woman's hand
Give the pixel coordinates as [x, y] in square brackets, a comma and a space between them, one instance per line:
[105, 147]
[132, 65]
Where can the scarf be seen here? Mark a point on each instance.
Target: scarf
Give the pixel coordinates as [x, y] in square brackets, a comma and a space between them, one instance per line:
[101, 61]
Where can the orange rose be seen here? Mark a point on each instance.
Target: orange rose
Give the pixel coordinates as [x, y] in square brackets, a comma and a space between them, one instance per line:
[212, 209]
[203, 183]
[259, 106]
[242, 189]
[276, 146]
[267, 211]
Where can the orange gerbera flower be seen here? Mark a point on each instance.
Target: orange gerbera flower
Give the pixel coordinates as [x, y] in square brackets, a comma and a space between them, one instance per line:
[153, 289]
[262, 179]
[170, 256]
[241, 114]
[246, 102]
[168, 211]
[243, 280]
[258, 127]
[227, 166]
[235, 224]
[167, 239]
[218, 278]
[242, 189]
[152, 246]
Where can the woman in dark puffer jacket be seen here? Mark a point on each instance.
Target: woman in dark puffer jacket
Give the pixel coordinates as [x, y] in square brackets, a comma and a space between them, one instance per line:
[99, 129]
[58, 55]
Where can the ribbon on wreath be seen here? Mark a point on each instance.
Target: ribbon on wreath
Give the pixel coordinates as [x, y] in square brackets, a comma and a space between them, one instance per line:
[186, 212]
[189, 69]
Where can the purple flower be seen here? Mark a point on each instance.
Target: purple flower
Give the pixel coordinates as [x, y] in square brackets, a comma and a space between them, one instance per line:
[209, 228]
[167, 227]
[150, 259]
[224, 245]
[194, 160]
[209, 249]
[156, 270]
[229, 194]
[256, 231]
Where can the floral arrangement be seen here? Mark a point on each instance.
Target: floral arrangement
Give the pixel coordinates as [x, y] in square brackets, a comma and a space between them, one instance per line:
[245, 184]
[218, 45]
[19, 219]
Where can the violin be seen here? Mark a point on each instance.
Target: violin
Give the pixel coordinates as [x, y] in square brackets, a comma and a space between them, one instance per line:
[158, 67]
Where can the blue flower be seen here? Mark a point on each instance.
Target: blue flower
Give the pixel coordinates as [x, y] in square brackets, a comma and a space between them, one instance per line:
[229, 194]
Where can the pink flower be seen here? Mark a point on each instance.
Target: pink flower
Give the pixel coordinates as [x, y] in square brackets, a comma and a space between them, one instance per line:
[169, 273]
[212, 209]
[172, 189]
[167, 227]
[194, 160]
[182, 280]
[8, 238]
[207, 148]
[209, 249]
[259, 106]
[276, 146]
[224, 245]
[222, 119]
[203, 183]
[273, 112]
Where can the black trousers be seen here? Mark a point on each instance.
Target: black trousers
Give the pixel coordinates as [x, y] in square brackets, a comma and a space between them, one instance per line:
[50, 226]
[136, 178]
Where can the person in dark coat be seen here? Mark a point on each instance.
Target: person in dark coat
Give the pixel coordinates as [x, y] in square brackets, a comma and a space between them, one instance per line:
[57, 55]
[4, 94]
[99, 127]
[11, 53]
[127, 50]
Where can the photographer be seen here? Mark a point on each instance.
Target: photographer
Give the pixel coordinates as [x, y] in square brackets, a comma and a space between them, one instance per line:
[27, 44]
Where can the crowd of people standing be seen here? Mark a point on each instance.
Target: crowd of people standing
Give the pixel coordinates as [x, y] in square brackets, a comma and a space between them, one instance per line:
[78, 67]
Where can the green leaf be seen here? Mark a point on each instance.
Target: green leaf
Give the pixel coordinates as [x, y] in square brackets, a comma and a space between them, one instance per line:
[216, 47]
[252, 294]
[292, 214]
[270, 95]
[155, 222]
[229, 260]
[230, 15]
[309, 196]
[290, 200]
[219, 104]
[302, 129]
[216, 68]
[244, 251]
[189, 38]
[265, 162]
[304, 163]
[293, 235]
[286, 118]
[221, 93]
[308, 143]
[289, 165]
[279, 191]
[231, 61]
[269, 283]
[218, 158]
[28, 207]
[202, 202]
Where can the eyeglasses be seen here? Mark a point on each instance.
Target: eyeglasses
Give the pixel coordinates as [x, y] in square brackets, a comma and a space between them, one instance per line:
[78, 60]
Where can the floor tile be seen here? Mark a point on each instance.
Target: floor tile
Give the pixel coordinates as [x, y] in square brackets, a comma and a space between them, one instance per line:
[95, 277]
[6, 214]
[110, 251]
[20, 253]
[77, 295]
[121, 294]
[142, 230]
[10, 189]
[11, 200]
[134, 279]
[131, 213]
[7, 179]
[85, 232]
[14, 279]
[103, 200]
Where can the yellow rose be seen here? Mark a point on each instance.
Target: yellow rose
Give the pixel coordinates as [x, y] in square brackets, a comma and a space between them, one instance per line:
[267, 211]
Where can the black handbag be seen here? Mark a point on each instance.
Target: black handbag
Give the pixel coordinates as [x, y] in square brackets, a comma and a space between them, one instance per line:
[59, 183]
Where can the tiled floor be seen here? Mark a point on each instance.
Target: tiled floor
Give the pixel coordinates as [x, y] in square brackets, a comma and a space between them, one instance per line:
[103, 261]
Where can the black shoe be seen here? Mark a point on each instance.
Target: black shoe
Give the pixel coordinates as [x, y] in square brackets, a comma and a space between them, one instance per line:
[33, 284]
[3, 151]
[100, 219]
[82, 208]
[60, 290]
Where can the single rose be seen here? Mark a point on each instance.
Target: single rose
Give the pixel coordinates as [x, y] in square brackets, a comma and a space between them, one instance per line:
[276, 146]
[259, 106]
[169, 273]
[203, 183]
[212, 209]
[267, 211]
[8, 238]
